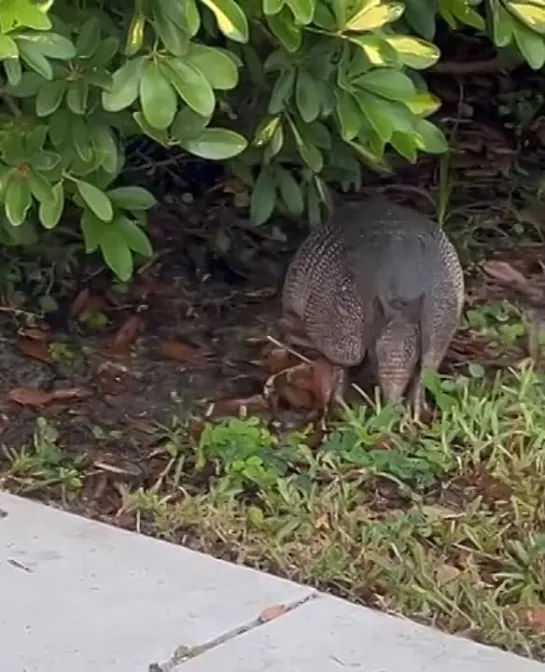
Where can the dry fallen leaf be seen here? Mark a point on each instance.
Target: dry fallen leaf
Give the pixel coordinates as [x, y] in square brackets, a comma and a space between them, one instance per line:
[36, 349]
[504, 272]
[71, 394]
[34, 334]
[323, 382]
[80, 302]
[272, 612]
[186, 354]
[127, 334]
[28, 397]
[277, 360]
[534, 617]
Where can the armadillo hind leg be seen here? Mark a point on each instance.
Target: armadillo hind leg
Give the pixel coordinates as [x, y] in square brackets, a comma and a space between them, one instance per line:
[415, 398]
[396, 359]
[340, 382]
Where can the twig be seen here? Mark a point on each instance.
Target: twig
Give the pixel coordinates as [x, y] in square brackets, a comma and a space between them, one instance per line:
[290, 350]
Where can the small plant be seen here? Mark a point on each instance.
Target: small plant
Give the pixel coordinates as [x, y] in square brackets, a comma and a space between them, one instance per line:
[42, 465]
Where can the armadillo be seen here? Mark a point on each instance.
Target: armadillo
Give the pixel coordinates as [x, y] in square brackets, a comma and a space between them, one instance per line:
[382, 283]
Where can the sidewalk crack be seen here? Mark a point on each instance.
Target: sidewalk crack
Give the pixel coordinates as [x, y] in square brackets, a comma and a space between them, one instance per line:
[184, 653]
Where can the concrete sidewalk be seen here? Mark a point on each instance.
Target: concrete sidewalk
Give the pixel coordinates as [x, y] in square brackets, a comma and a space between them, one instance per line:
[80, 596]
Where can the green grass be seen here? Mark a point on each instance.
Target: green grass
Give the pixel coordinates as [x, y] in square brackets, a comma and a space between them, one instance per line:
[442, 523]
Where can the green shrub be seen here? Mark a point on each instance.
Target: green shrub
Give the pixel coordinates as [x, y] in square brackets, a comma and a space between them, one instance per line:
[295, 93]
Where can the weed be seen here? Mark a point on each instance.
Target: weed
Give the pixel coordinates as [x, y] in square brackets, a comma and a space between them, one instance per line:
[42, 465]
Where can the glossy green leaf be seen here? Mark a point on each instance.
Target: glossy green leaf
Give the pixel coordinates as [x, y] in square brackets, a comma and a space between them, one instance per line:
[219, 69]
[405, 145]
[231, 19]
[45, 161]
[50, 97]
[135, 34]
[188, 124]
[91, 227]
[414, 52]
[271, 7]
[50, 211]
[17, 199]
[157, 96]
[40, 187]
[531, 46]
[132, 198]
[286, 31]
[290, 191]
[429, 138]
[375, 15]
[263, 197]
[49, 44]
[28, 86]
[106, 51]
[265, 130]
[310, 154]
[423, 104]
[370, 158]
[159, 136]
[33, 56]
[282, 90]
[191, 84]
[387, 83]
[106, 149]
[421, 16]
[184, 14]
[503, 23]
[88, 40]
[77, 95]
[376, 49]
[373, 110]
[171, 34]
[81, 138]
[96, 200]
[307, 96]
[125, 86]
[8, 48]
[532, 15]
[349, 115]
[23, 14]
[135, 237]
[303, 10]
[116, 252]
[275, 145]
[216, 144]
[13, 70]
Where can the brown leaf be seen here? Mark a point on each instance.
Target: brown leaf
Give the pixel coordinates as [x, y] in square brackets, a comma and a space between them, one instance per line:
[534, 618]
[323, 382]
[186, 354]
[504, 272]
[127, 334]
[36, 349]
[28, 397]
[80, 302]
[71, 394]
[34, 334]
[277, 360]
[272, 612]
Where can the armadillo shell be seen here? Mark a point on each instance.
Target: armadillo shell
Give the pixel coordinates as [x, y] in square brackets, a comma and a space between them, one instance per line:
[368, 254]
